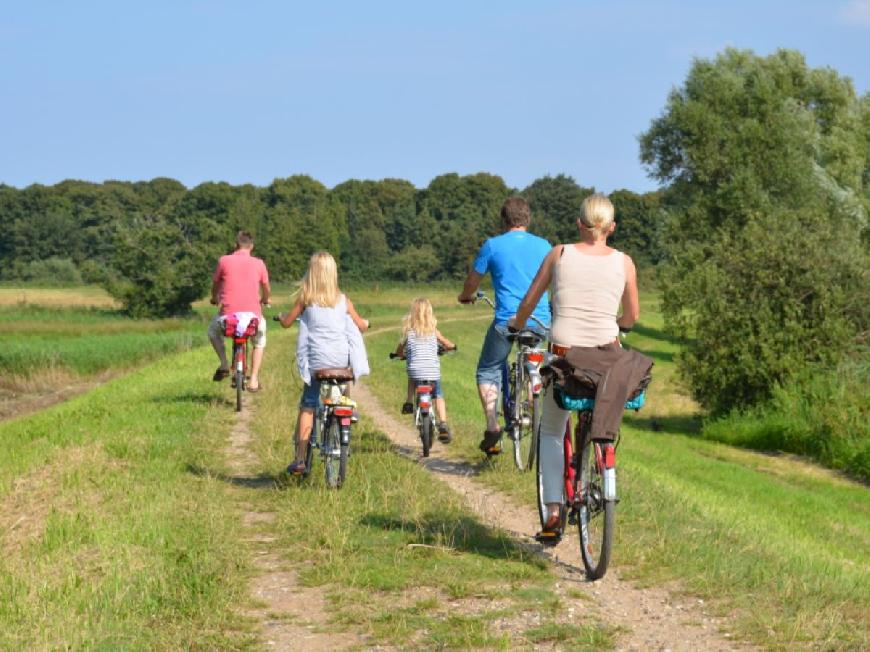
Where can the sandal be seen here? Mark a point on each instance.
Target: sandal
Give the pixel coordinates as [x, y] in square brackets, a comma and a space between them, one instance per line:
[220, 374]
[551, 533]
[491, 443]
[407, 408]
[258, 388]
[296, 468]
[444, 435]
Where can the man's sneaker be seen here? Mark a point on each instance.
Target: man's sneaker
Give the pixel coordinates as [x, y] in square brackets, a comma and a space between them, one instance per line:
[407, 408]
[220, 374]
[297, 468]
[491, 443]
[444, 435]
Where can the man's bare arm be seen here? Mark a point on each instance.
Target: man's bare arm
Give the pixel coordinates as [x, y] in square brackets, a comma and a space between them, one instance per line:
[472, 282]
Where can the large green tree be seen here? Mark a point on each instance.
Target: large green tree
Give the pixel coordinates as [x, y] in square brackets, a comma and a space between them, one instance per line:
[767, 161]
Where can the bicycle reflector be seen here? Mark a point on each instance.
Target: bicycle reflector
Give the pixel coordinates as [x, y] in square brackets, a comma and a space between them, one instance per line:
[343, 411]
[537, 357]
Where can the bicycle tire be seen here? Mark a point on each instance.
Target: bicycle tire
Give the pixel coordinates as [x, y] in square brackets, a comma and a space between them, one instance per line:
[240, 389]
[525, 428]
[425, 429]
[331, 449]
[596, 516]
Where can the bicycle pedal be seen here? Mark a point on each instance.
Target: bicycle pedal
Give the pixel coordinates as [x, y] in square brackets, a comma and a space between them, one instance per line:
[548, 538]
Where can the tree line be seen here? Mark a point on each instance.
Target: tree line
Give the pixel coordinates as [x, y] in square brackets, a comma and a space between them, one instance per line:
[758, 236]
[154, 243]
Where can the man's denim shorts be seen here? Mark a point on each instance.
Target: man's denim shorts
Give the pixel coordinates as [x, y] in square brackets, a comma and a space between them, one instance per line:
[495, 351]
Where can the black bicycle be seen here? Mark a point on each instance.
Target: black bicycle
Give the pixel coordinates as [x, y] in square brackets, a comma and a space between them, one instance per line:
[333, 422]
[520, 392]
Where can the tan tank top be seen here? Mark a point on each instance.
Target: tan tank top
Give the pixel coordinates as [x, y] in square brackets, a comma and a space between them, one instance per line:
[587, 291]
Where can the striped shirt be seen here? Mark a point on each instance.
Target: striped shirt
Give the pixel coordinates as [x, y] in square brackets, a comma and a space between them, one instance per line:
[421, 353]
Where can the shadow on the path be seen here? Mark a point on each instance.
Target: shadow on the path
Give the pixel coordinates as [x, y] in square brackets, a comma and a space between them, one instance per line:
[260, 481]
[683, 424]
[202, 398]
[459, 533]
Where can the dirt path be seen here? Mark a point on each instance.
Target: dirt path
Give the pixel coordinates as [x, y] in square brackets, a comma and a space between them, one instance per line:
[651, 619]
[287, 614]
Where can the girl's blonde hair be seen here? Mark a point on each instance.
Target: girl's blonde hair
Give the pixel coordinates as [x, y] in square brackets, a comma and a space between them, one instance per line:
[420, 319]
[319, 286]
[596, 213]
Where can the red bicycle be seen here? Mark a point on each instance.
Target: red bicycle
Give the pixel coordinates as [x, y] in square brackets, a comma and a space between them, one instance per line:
[589, 498]
[240, 338]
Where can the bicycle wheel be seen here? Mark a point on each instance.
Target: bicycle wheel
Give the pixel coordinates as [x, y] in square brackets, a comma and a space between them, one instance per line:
[596, 515]
[425, 429]
[525, 427]
[334, 454]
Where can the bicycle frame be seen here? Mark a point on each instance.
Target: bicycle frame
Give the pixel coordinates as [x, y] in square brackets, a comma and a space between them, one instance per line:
[333, 407]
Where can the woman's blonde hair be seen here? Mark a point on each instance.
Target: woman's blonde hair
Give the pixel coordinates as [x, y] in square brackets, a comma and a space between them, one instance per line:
[596, 213]
[420, 319]
[319, 286]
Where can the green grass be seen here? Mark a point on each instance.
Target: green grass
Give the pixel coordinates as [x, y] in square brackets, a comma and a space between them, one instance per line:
[87, 341]
[108, 540]
[781, 545]
[397, 554]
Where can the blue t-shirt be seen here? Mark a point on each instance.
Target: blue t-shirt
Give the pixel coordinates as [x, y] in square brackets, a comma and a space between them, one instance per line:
[513, 259]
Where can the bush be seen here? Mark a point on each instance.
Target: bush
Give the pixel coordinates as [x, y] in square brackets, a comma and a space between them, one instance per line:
[824, 414]
[51, 271]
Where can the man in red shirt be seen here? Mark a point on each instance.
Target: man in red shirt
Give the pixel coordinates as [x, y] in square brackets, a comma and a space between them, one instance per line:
[240, 284]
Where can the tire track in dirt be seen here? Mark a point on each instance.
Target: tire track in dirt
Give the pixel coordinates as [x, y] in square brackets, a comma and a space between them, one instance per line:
[287, 614]
[650, 618]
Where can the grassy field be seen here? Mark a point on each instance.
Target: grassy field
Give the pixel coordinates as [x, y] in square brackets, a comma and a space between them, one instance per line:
[781, 545]
[122, 528]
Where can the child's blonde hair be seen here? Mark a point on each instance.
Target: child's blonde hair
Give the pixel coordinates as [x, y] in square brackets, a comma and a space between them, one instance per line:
[420, 319]
[319, 286]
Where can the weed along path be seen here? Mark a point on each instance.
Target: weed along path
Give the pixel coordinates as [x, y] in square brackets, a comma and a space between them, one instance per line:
[285, 612]
[648, 618]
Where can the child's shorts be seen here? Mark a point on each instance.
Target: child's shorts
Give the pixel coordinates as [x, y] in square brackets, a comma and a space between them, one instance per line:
[310, 395]
[436, 387]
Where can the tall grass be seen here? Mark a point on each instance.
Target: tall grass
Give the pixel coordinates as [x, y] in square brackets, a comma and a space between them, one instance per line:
[87, 341]
[825, 415]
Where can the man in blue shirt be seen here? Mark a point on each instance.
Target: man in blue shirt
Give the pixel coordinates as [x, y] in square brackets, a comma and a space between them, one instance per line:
[513, 259]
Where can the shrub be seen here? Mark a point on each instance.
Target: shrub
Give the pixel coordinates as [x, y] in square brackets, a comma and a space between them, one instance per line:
[51, 271]
[824, 414]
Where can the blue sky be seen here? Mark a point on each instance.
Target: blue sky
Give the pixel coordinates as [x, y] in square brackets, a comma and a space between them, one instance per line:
[249, 91]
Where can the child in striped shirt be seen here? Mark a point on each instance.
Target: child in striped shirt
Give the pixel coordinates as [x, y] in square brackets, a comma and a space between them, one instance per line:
[419, 347]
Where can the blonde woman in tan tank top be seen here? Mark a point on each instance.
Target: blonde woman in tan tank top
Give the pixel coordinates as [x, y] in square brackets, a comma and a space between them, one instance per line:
[590, 281]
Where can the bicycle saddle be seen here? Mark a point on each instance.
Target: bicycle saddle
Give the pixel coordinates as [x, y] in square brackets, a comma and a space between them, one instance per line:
[526, 338]
[342, 375]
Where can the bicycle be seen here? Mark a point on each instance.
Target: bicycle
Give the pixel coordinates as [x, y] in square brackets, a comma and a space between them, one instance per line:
[331, 430]
[425, 418]
[589, 494]
[231, 325]
[521, 402]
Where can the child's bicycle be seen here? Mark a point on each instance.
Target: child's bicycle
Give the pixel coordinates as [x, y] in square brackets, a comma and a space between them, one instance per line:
[234, 327]
[520, 392]
[589, 495]
[425, 417]
[332, 426]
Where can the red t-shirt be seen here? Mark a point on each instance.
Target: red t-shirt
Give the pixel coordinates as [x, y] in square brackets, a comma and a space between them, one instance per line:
[240, 275]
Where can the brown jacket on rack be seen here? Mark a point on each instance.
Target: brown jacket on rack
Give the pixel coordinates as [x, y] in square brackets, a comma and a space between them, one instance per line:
[609, 373]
